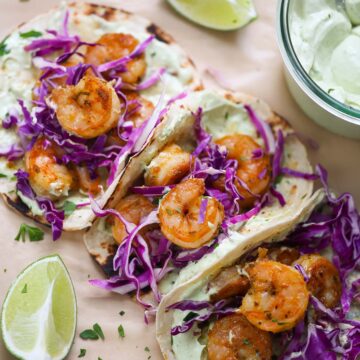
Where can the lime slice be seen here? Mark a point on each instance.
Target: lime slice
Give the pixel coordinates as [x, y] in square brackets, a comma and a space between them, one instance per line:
[217, 14]
[39, 313]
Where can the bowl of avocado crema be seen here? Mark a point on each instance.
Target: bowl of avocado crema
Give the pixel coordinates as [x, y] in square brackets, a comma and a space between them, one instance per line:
[320, 45]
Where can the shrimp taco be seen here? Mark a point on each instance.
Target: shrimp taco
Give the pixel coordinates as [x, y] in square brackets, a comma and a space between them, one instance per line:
[79, 94]
[221, 170]
[294, 296]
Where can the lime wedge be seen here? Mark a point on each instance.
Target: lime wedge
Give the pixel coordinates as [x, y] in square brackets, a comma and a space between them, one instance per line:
[217, 14]
[39, 313]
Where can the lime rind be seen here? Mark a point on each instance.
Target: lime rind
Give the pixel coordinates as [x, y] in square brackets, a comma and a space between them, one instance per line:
[36, 323]
[222, 15]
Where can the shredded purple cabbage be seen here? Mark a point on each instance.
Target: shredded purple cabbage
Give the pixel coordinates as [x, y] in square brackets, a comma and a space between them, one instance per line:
[52, 215]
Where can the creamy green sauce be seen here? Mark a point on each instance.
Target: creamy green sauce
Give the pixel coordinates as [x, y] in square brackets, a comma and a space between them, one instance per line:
[326, 39]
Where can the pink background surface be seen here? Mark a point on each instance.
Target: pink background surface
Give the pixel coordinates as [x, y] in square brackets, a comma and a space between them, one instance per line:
[250, 61]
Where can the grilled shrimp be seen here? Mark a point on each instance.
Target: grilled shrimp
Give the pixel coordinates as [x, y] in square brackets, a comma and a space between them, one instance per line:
[46, 176]
[255, 173]
[278, 296]
[168, 167]
[234, 338]
[324, 280]
[228, 283]
[179, 213]
[88, 109]
[133, 208]
[139, 110]
[91, 186]
[283, 254]
[115, 46]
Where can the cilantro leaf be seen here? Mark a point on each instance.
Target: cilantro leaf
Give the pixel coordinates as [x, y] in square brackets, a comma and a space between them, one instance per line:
[2, 175]
[97, 328]
[3, 49]
[30, 34]
[147, 349]
[32, 232]
[82, 353]
[121, 331]
[190, 315]
[89, 334]
[24, 290]
[69, 207]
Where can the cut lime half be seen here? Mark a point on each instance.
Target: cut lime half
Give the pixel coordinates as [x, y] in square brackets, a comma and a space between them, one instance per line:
[38, 319]
[217, 14]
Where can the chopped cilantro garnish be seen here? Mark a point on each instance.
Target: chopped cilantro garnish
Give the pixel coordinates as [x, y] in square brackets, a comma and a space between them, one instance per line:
[121, 331]
[278, 179]
[82, 353]
[33, 233]
[2, 175]
[246, 342]
[97, 328]
[190, 315]
[147, 349]
[30, 34]
[3, 49]
[69, 207]
[89, 334]
[24, 290]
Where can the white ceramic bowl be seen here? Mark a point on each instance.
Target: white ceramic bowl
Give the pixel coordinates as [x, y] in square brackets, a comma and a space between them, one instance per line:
[315, 102]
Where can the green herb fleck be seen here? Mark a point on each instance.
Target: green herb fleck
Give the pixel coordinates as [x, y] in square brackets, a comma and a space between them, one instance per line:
[121, 331]
[30, 34]
[82, 353]
[69, 207]
[246, 342]
[330, 90]
[278, 179]
[5, 270]
[3, 49]
[2, 175]
[226, 115]
[122, 313]
[99, 358]
[97, 328]
[153, 54]
[190, 315]
[33, 233]
[24, 290]
[147, 349]
[89, 334]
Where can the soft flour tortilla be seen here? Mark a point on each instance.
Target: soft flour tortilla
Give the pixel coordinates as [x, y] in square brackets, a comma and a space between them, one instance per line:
[178, 127]
[192, 288]
[89, 21]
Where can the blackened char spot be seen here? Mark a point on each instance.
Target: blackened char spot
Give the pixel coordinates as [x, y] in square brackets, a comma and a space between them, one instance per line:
[159, 34]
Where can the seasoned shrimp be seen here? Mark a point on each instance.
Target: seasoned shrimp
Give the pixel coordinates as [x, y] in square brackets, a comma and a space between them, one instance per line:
[46, 176]
[283, 254]
[179, 213]
[324, 280]
[133, 208]
[278, 297]
[228, 283]
[91, 186]
[255, 173]
[168, 167]
[88, 109]
[115, 46]
[139, 110]
[234, 338]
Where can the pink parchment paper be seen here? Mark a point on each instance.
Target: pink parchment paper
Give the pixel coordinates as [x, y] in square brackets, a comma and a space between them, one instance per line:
[250, 61]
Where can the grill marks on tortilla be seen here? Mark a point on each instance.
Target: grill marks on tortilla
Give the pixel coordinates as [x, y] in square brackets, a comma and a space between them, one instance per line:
[160, 34]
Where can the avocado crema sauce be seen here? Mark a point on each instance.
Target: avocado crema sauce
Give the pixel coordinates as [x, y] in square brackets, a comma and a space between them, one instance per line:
[326, 39]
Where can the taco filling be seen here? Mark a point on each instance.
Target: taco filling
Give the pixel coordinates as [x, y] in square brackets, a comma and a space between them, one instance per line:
[87, 105]
[190, 196]
[297, 299]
